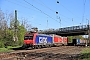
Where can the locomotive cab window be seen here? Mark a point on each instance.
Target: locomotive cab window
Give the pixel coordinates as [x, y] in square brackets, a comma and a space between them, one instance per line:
[28, 37]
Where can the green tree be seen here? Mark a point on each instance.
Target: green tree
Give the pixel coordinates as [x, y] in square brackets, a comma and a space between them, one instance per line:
[1, 44]
[70, 38]
[78, 36]
[20, 34]
[8, 33]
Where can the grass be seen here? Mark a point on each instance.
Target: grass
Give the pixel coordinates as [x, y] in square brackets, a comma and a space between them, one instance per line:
[86, 50]
[85, 54]
[5, 50]
[8, 49]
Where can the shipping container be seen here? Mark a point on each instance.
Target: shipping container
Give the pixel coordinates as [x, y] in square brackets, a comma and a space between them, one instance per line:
[65, 40]
[57, 40]
[74, 42]
[82, 41]
[78, 41]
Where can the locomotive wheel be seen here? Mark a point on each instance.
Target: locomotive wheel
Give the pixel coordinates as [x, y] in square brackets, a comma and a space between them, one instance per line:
[39, 46]
[49, 46]
[35, 47]
[32, 47]
[24, 46]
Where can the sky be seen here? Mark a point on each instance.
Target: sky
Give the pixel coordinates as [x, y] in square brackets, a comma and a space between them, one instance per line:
[42, 13]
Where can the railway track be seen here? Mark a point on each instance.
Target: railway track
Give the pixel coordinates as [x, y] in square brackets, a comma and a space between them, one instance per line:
[62, 52]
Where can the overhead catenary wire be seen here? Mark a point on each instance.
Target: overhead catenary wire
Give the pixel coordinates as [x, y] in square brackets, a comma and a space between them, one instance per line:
[57, 2]
[27, 8]
[43, 4]
[58, 16]
[40, 10]
[23, 7]
[68, 11]
[34, 10]
[56, 12]
[51, 9]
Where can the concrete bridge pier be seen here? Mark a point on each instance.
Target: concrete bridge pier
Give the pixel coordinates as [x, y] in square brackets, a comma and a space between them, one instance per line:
[88, 35]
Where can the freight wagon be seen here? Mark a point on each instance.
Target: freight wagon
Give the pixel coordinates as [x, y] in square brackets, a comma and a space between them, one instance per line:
[58, 40]
[79, 42]
[35, 40]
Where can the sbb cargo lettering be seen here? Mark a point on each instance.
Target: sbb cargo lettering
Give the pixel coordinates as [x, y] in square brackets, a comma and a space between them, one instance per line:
[42, 39]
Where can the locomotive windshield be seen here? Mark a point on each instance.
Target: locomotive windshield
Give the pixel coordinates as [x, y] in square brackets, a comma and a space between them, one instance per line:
[28, 37]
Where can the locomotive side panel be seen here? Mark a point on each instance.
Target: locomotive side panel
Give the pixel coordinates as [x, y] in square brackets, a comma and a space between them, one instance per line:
[43, 40]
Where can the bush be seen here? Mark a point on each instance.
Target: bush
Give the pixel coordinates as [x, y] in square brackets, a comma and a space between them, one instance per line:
[1, 44]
